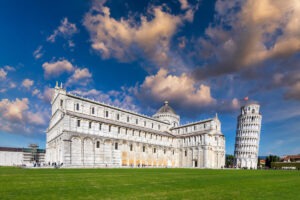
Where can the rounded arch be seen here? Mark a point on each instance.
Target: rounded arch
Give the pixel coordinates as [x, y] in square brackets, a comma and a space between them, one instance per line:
[76, 145]
[88, 151]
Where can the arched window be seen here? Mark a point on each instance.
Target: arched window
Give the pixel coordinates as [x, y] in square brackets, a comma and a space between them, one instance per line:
[77, 106]
[144, 148]
[131, 147]
[93, 110]
[116, 146]
[97, 144]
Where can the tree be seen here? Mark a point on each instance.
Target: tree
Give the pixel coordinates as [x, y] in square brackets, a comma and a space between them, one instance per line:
[270, 159]
[229, 161]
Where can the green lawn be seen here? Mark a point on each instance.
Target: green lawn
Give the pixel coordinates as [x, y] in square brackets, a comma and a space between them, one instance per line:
[35, 184]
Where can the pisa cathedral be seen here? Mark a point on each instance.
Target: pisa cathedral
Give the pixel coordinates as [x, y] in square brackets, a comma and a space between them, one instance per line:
[87, 133]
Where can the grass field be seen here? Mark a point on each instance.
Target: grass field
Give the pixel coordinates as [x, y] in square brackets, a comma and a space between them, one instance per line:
[16, 183]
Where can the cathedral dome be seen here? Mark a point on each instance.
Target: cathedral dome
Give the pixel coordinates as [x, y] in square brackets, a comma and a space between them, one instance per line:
[166, 109]
[168, 115]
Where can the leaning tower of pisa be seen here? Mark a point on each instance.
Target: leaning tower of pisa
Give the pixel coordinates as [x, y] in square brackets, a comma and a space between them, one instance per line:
[247, 136]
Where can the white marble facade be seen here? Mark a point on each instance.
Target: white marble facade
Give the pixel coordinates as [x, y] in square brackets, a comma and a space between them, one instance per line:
[248, 136]
[87, 133]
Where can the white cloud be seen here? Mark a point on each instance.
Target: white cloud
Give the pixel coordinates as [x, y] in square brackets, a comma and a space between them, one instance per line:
[247, 33]
[13, 110]
[128, 39]
[179, 89]
[184, 4]
[121, 99]
[36, 118]
[38, 52]
[235, 103]
[27, 83]
[16, 117]
[80, 76]
[35, 92]
[12, 85]
[65, 30]
[3, 74]
[54, 69]
[9, 68]
[47, 94]
[87, 93]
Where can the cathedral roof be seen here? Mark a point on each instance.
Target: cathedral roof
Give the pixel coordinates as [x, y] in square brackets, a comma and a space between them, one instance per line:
[166, 109]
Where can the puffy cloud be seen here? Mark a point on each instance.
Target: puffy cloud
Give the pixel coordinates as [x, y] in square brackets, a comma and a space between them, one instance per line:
[235, 103]
[38, 52]
[290, 81]
[54, 69]
[13, 110]
[12, 85]
[47, 94]
[122, 99]
[184, 4]
[128, 39]
[80, 76]
[182, 42]
[36, 118]
[35, 92]
[180, 90]
[3, 74]
[9, 68]
[27, 83]
[65, 30]
[16, 117]
[294, 91]
[87, 93]
[248, 33]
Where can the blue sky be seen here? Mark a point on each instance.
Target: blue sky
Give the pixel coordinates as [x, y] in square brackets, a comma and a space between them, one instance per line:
[202, 56]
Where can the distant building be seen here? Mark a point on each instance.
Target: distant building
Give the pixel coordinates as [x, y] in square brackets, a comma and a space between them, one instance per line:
[10, 156]
[291, 158]
[86, 133]
[262, 163]
[248, 136]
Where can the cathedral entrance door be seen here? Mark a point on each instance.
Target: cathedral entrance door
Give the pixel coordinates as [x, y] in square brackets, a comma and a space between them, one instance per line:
[195, 163]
